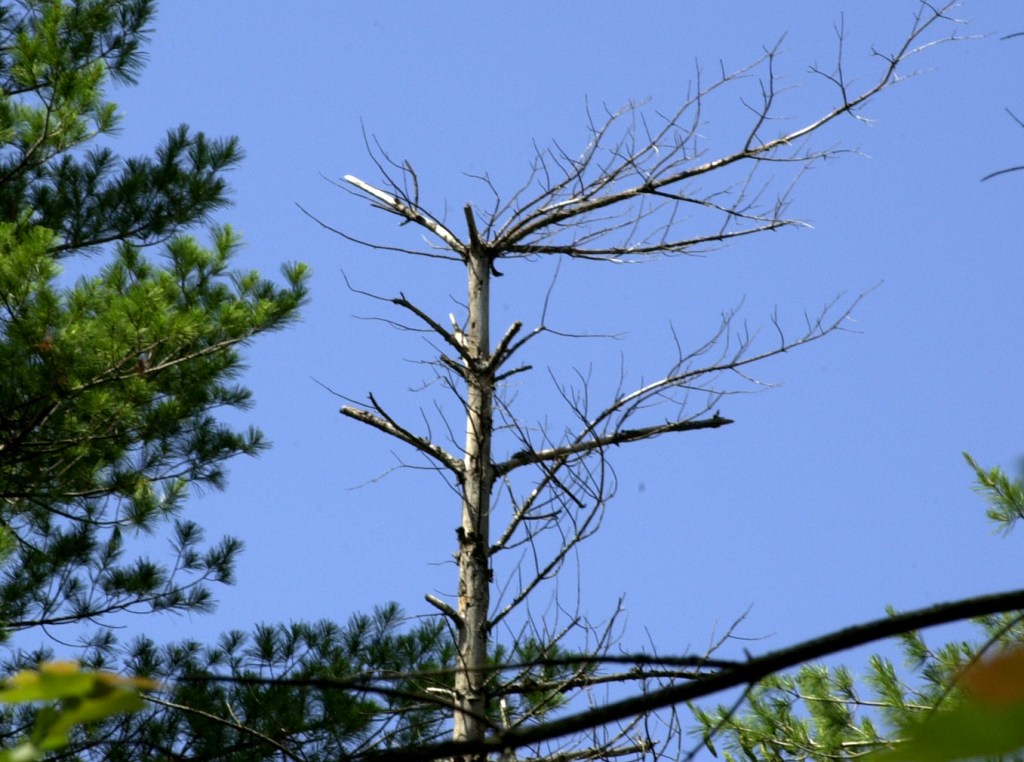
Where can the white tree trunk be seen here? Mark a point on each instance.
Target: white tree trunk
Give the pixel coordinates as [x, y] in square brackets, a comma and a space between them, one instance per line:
[474, 534]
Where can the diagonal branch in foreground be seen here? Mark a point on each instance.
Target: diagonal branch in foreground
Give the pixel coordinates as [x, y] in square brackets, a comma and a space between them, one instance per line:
[743, 674]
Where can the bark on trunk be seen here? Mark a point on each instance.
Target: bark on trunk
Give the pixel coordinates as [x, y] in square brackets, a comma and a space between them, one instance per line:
[474, 534]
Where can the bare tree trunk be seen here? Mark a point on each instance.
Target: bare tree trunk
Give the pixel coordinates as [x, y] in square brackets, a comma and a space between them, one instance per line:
[474, 534]
[638, 190]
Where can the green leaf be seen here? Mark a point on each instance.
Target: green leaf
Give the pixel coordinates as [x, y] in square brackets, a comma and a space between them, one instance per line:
[987, 721]
[75, 697]
[967, 731]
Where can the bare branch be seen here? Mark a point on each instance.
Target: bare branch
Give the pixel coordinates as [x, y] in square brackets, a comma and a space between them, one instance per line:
[663, 158]
[444, 608]
[376, 246]
[386, 424]
[617, 437]
[391, 204]
[234, 724]
[745, 674]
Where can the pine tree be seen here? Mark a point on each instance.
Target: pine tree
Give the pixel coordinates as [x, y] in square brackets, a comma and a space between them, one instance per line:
[304, 691]
[108, 394]
[110, 382]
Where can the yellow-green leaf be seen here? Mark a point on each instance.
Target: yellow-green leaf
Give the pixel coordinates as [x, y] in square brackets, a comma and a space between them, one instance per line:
[988, 721]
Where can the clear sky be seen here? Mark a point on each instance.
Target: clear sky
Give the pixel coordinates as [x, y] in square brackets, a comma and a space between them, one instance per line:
[836, 493]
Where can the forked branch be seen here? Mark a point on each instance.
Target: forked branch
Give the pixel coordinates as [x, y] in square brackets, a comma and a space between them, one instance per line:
[391, 204]
[384, 422]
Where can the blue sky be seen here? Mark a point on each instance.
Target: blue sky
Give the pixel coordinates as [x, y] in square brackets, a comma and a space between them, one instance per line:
[836, 493]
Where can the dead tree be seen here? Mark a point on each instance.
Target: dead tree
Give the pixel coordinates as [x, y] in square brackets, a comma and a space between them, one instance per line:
[630, 195]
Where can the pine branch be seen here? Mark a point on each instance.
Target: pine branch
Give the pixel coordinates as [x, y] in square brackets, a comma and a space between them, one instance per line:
[233, 724]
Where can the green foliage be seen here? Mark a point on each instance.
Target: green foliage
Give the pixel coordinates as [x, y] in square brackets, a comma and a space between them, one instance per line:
[120, 337]
[986, 720]
[324, 702]
[967, 731]
[74, 697]
[1005, 496]
[110, 382]
[539, 684]
[824, 713]
[809, 715]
